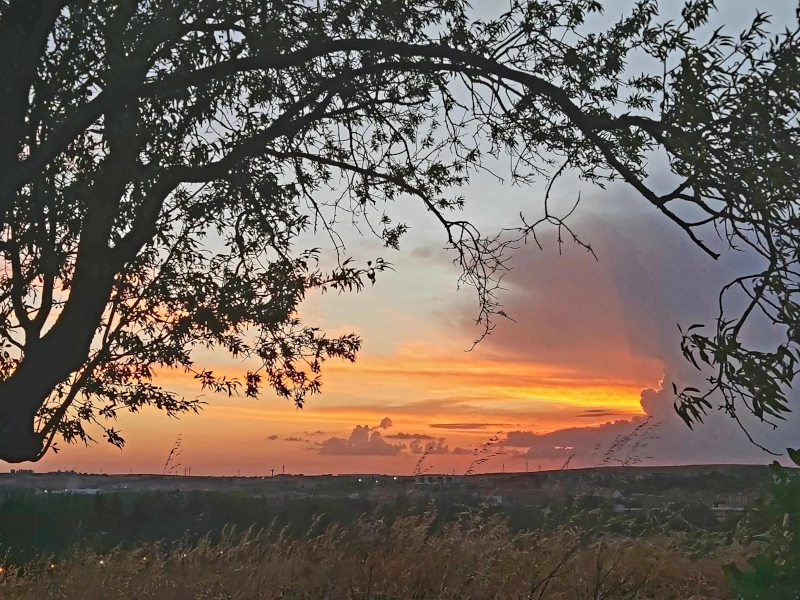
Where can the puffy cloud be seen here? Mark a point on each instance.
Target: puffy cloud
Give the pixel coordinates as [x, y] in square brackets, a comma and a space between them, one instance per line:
[459, 450]
[363, 441]
[433, 447]
[295, 439]
[273, 437]
[385, 423]
[314, 433]
[657, 403]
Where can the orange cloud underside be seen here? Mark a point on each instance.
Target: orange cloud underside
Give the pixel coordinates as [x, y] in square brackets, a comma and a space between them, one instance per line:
[427, 388]
[419, 386]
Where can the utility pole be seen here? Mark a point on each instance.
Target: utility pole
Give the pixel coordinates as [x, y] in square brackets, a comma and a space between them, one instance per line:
[284, 469]
[526, 466]
[238, 472]
[273, 472]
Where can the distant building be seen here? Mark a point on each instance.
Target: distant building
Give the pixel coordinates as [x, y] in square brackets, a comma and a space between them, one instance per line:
[734, 501]
[625, 508]
[22, 471]
[726, 507]
[438, 479]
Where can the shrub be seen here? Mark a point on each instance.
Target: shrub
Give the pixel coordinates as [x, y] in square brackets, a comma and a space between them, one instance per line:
[475, 557]
[774, 524]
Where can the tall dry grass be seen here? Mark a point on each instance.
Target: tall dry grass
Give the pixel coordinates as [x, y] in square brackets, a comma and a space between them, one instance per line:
[473, 559]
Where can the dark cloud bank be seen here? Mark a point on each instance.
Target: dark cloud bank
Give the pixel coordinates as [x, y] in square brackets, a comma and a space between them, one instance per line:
[604, 319]
[596, 315]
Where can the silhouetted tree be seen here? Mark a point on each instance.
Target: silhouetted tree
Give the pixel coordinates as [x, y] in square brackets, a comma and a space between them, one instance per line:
[159, 158]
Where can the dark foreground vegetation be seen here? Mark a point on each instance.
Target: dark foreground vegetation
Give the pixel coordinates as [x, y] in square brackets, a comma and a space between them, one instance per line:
[473, 557]
[53, 524]
[208, 545]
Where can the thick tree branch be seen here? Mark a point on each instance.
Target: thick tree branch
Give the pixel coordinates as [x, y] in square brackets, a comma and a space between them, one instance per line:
[18, 293]
[24, 29]
[462, 61]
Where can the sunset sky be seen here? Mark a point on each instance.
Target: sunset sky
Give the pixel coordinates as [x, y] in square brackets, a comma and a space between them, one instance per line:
[582, 362]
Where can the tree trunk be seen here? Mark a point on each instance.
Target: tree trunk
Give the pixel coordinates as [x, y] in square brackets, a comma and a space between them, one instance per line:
[18, 440]
[51, 360]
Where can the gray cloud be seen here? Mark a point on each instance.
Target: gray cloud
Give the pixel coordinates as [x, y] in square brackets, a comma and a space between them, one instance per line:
[409, 436]
[465, 426]
[273, 437]
[434, 447]
[615, 319]
[659, 437]
[363, 441]
[385, 423]
[594, 413]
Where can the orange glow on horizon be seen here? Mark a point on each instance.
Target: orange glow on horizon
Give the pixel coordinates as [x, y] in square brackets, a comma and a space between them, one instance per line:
[426, 389]
[474, 379]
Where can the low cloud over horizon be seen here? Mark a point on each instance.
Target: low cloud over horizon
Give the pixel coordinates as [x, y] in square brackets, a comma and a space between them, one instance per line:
[467, 426]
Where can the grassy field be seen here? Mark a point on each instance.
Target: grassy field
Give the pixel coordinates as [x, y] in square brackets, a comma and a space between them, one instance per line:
[475, 558]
